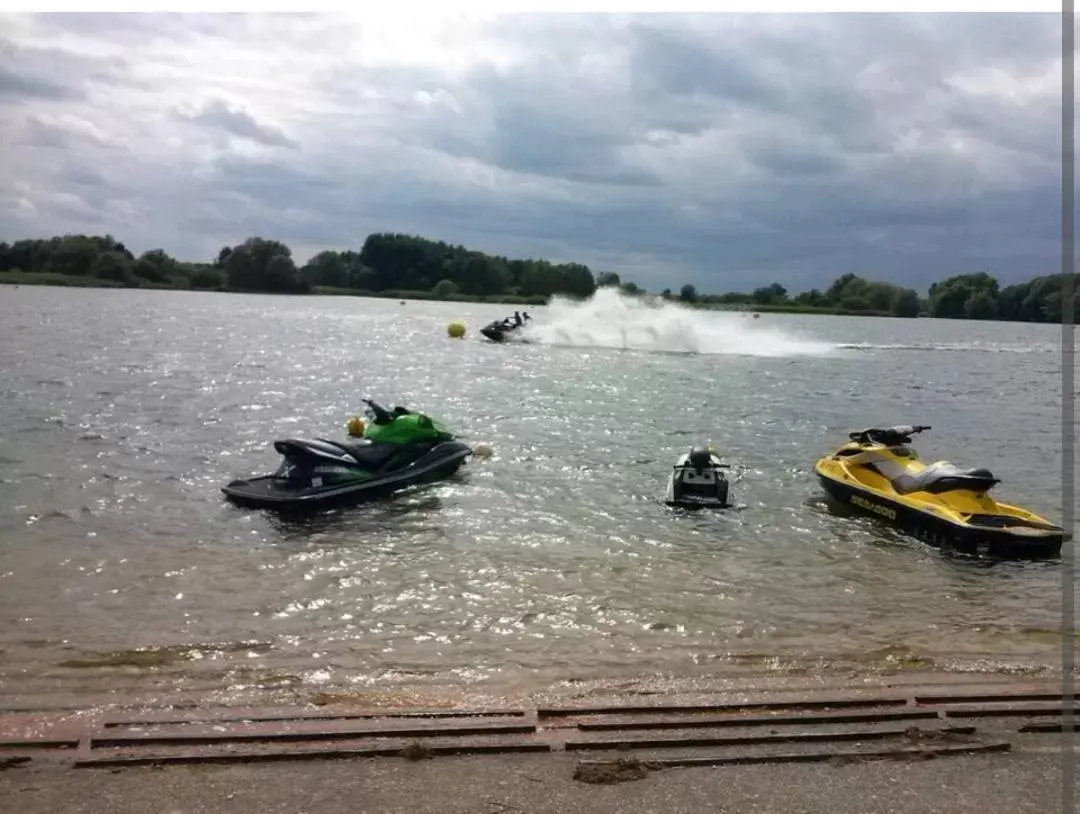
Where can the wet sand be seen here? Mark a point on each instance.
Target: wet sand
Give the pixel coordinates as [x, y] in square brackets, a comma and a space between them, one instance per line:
[1015, 783]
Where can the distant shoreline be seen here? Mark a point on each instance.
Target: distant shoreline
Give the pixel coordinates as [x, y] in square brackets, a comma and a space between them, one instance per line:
[45, 279]
[410, 267]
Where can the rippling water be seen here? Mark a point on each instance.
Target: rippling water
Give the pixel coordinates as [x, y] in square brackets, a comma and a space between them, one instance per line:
[124, 576]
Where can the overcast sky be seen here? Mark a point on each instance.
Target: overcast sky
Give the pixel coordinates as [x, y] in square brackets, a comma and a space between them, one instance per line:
[728, 151]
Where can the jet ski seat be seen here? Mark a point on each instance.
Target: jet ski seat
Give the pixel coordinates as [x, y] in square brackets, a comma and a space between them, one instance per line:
[367, 454]
[945, 477]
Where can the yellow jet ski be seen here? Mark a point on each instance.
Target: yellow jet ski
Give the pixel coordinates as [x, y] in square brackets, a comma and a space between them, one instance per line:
[879, 474]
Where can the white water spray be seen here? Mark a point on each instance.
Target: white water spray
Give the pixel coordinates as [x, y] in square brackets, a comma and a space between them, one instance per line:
[610, 319]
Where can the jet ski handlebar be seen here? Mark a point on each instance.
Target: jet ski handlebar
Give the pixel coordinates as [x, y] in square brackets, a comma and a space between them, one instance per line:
[382, 415]
[900, 434]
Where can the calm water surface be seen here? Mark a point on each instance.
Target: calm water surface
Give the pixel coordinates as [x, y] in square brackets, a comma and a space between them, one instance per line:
[125, 577]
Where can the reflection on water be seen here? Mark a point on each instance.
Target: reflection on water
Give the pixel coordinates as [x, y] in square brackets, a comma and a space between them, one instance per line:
[124, 576]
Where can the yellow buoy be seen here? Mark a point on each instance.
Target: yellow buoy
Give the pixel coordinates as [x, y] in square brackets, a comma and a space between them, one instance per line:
[355, 426]
[482, 450]
[456, 329]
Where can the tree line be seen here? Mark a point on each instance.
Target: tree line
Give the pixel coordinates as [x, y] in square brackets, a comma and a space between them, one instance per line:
[400, 265]
[391, 264]
[962, 296]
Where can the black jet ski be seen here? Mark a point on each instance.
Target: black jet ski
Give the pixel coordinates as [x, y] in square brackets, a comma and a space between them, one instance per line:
[698, 481]
[502, 329]
[880, 474]
[399, 448]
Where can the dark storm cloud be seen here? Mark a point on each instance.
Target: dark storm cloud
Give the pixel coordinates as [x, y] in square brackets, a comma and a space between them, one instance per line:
[675, 65]
[533, 118]
[726, 151]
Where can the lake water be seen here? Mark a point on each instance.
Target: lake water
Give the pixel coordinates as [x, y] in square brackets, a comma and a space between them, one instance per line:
[125, 577]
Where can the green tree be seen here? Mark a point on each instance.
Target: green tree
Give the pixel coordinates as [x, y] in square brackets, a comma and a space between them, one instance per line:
[326, 268]
[855, 303]
[949, 297]
[880, 296]
[688, 293]
[980, 305]
[263, 265]
[114, 265]
[73, 255]
[905, 303]
[812, 298]
[156, 266]
[444, 288]
[847, 285]
[1037, 300]
[769, 295]
[207, 277]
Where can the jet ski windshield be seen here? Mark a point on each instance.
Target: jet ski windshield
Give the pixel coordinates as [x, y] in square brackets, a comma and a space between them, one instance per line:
[402, 426]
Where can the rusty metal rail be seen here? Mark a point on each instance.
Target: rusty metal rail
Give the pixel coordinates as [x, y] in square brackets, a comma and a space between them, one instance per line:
[738, 732]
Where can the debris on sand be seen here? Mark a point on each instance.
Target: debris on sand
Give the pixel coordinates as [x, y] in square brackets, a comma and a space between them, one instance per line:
[415, 751]
[916, 734]
[622, 770]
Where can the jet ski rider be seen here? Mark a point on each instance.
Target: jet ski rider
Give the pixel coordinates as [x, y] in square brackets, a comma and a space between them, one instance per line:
[519, 319]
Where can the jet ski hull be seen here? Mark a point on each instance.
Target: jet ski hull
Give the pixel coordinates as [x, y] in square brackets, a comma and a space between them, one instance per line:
[689, 487]
[493, 333]
[498, 332]
[997, 535]
[269, 492]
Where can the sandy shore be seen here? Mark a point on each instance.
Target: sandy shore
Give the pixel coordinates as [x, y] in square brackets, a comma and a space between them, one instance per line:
[1025, 781]
[913, 747]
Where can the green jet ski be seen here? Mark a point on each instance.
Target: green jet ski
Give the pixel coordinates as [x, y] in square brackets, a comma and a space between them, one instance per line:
[399, 448]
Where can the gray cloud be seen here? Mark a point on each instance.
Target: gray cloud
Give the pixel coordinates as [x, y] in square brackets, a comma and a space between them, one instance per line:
[65, 132]
[46, 73]
[135, 29]
[235, 120]
[712, 149]
[16, 87]
[29, 74]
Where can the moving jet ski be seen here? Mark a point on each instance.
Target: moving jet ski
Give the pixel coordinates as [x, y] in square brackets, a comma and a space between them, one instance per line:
[698, 481]
[946, 506]
[501, 329]
[398, 449]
